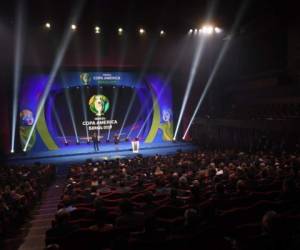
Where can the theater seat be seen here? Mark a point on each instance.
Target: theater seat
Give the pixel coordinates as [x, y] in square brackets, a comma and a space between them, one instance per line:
[82, 213]
[87, 239]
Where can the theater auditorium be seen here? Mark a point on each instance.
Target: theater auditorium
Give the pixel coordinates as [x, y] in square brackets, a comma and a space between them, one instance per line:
[149, 125]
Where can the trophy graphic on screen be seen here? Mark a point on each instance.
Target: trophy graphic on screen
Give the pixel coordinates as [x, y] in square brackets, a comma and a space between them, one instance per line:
[85, 78]
[99, 104]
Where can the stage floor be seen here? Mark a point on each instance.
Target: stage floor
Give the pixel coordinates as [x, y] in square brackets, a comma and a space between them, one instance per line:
[80, 153]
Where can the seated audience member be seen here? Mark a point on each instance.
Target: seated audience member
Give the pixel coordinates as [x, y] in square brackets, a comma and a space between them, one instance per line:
[62, 226]
[100, 219]
[289, 190]
[149, 205]
[158, 172]
[219, 193]
[151, 234]
[67, 205]
[174, 200]
[268, 221]
[190, 218]
[123, 188]
[241, 189]
[161, 188]
[128, 219]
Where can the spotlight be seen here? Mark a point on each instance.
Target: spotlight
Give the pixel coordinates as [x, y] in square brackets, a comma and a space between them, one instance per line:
[190, 31]
[48, 25]
[66, 143]
[97, 30]
[88, 142]
[77, 142]
[120, 31]
[196, 61]
[195, 31]
[162, 33]
[12, 151]
[73, 27]
[200, 30]
[218, 30]
[208, 29]
[142, 31]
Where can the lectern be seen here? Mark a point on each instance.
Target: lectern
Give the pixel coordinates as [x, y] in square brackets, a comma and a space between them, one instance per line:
[135, 145]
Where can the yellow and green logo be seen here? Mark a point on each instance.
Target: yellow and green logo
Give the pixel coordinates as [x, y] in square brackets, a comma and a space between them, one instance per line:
[99, 104]
[85, 78]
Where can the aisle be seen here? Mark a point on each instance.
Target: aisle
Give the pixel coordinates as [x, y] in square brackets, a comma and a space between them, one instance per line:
[41, 221]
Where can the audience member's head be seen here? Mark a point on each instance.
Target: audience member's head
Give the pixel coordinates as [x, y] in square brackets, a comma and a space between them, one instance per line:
[268, 221]
[126, 207]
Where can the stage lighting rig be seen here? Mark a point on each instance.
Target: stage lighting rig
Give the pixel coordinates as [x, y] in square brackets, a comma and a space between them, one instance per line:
[97, 30]
[142, 31]
[73, 27]
[120, 31]
[48, 25]
[218, 30]
[208, 29]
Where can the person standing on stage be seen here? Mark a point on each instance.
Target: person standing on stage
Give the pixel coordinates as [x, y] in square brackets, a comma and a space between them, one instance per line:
[95, 141]
[116, 141]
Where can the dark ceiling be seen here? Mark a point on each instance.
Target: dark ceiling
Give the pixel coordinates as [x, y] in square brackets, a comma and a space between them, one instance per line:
[173, 15]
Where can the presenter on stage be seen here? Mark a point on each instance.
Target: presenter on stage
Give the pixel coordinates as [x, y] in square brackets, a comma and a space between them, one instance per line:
[116, 141]
[95, 141]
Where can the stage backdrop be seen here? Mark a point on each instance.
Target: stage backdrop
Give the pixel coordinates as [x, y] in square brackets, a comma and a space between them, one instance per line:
[107, 103]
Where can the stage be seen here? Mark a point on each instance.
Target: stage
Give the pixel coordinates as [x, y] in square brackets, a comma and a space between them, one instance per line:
[80, 153]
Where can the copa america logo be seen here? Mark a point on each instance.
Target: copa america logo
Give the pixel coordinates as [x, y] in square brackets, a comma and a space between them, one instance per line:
[85, 78]
[99, 104]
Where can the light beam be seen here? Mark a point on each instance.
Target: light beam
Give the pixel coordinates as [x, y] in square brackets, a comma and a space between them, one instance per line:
[115, 99]
[191, 79]
[59, 124]
[216, 66]
[139, 79]
[57, 63]
[17, 69]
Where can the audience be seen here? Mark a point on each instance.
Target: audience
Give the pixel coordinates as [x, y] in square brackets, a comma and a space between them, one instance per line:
[20, 189]
[207, 200]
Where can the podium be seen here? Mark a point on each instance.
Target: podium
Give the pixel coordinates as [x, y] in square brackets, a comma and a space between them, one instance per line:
[135, 146]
